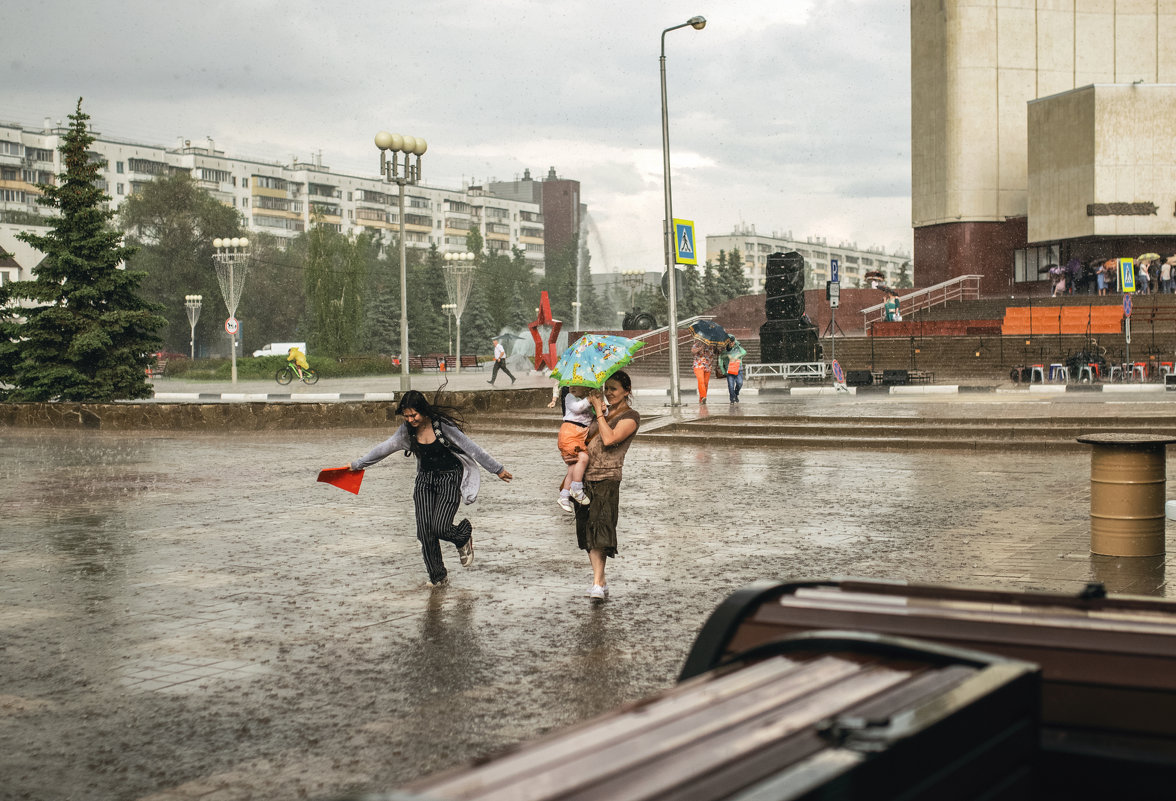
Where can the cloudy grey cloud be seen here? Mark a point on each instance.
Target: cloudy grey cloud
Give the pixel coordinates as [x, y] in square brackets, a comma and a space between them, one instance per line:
[791, 116]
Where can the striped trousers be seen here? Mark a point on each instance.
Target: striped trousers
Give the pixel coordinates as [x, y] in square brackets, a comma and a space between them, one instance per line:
[436, 498]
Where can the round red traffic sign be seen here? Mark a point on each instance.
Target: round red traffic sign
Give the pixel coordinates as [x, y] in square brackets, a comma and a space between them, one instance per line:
[231, 325]
[838, 373]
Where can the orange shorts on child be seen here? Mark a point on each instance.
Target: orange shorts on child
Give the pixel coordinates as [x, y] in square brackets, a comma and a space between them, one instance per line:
[571, 441]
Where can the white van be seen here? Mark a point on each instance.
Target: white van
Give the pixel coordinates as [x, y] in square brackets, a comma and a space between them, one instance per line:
[280, 348]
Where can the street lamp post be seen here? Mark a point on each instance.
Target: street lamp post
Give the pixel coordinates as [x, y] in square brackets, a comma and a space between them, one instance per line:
[392, 146]
[698, 23]
[459, 279]
[576, 313]
[449, 307]
[232, 265]
[192, 305]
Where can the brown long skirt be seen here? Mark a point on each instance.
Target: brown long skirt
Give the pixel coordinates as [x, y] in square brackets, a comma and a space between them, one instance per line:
[596, 523]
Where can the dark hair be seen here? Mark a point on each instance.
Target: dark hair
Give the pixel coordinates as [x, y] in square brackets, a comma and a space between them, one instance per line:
[416, 400]
[623, 379]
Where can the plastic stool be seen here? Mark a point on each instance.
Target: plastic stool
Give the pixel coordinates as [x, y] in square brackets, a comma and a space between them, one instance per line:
[1037, 374]
[1140, 369]
[1086, 374]
[1116, 370]
[1166, 368]
[1059, 371]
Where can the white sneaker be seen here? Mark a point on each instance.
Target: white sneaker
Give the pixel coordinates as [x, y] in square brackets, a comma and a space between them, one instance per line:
[597, 593]
[579, 497]
[466, 552]
[565, 503]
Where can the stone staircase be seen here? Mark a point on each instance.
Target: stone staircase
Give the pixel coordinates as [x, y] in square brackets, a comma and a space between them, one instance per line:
[962, 432]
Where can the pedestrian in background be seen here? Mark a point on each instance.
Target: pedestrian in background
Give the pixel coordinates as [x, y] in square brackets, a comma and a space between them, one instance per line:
[447, 473]
[732, 367]
[704, 364]
[1167, 276]
[499, 363]
[609, 437]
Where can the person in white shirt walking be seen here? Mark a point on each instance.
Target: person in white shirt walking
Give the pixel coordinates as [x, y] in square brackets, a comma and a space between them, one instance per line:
[499, 363]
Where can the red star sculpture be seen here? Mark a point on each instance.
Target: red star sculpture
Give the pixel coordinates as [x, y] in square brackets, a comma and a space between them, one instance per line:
[545, 318]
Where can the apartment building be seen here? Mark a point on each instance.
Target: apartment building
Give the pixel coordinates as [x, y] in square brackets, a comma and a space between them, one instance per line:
[276, 198]
[853, 262]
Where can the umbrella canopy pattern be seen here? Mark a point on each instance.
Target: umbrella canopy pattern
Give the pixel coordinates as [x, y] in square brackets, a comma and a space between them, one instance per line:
[710, 332]
[1148, 257]
[592, 359]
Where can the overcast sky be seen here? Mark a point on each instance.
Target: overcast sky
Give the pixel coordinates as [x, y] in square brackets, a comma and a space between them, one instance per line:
[789, 115]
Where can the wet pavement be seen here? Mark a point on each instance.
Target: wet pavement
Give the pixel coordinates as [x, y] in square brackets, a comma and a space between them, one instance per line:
[191, 616]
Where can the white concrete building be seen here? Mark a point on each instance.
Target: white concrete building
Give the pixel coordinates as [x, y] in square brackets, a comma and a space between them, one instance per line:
[853, 261]
[276, 198]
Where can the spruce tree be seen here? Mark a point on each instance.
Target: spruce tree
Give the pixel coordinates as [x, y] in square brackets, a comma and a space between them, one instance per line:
[82, 331]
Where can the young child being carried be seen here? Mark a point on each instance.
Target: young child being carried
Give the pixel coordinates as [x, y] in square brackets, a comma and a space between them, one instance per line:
[577, 416]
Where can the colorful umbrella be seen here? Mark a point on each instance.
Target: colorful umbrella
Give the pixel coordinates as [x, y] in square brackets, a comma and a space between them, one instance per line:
[592, 359]
[710, 332]
[343, 478]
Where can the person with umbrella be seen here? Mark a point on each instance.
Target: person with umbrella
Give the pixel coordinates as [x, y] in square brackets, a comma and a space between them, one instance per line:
[708, 337]
[731, 365]
[608, 437]
[447, 474]
[1143, 279]
[595, 361]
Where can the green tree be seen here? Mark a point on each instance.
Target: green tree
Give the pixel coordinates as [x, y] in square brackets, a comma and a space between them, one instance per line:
[273, 305]
[336, 268]
[84, 333]
[903, 280]
[710, 285]
[731, 281]
[172, 222]
[692, 297]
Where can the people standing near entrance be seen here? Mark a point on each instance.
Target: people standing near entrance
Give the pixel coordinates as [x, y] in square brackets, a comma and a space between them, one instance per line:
[447, 474]
[609, 437]
[499, 363]
[704, 361]
[1168, 275]
[732, 367]
[1143, 278]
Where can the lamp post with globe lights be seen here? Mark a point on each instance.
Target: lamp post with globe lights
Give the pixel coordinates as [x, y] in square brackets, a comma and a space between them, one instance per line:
[459, 278]
[697, 23]
[396, 166]
[192, 304]
[232, 265]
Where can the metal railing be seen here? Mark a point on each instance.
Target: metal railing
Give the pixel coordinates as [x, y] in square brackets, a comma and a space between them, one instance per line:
[962, 287]
[657, 340]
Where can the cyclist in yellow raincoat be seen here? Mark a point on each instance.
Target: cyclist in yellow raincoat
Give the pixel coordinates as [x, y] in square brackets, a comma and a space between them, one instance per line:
[297, 359]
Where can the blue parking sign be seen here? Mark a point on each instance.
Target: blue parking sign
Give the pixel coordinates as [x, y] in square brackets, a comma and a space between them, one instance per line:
[834, 264]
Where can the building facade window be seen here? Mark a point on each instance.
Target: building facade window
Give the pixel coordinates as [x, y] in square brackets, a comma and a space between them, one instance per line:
[118, 167]
[1031, 264]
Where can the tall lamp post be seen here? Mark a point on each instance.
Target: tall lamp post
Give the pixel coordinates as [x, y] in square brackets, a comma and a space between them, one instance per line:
[402, 173]
[232, 265]
[697, 23]
[192, 305]
[448, 309]
[459, 279]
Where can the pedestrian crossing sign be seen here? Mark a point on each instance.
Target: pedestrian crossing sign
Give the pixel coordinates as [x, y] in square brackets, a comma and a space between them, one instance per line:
[684, 251]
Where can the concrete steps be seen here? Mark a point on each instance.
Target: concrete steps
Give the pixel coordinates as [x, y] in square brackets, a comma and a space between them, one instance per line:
[895, 433]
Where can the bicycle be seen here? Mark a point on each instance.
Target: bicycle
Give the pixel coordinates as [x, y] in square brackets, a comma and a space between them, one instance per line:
[287, 374]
